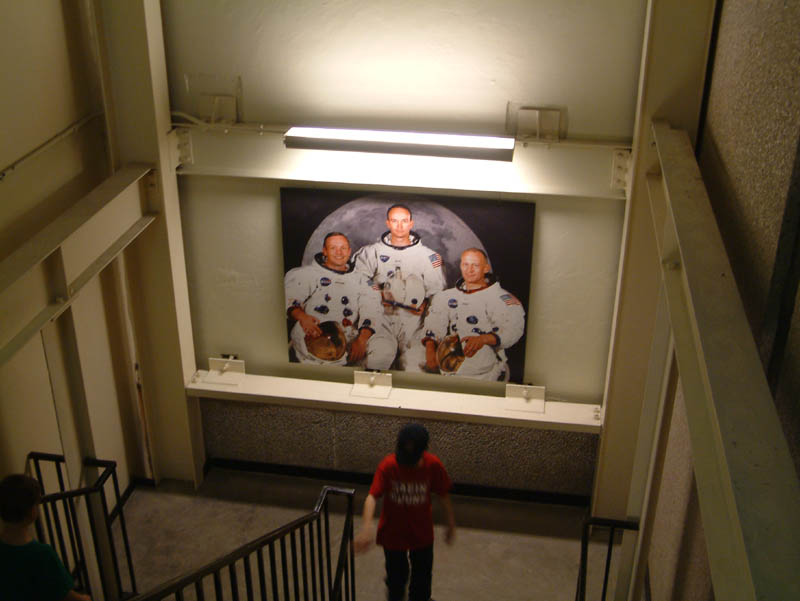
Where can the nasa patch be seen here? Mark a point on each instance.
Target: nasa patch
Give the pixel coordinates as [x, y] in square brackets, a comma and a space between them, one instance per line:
[325, 281]
[384, 258]
[472, 319]
[452, 303]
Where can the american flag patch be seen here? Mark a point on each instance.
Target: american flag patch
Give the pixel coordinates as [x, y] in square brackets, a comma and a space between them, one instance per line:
[509, 299]
[436, 260]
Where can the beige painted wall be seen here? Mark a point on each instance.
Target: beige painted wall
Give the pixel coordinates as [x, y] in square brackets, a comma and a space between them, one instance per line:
[235, 268]
[104, 396]
[45, 75]
[48, 79]
[27, 416]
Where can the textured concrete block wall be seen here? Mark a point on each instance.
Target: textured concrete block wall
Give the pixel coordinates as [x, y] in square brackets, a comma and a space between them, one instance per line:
[524, 458]
[749, 162]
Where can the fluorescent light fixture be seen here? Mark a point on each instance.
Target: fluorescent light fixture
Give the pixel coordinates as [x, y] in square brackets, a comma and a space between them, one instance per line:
[401, 142]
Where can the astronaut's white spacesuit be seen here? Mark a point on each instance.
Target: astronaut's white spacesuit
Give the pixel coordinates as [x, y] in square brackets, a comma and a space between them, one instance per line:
[343, 297]
[489, 310]
[414, 264]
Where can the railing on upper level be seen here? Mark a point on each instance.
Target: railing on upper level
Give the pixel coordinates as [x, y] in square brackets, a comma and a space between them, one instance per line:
[613, 526]
[61, 511]
[293, 561]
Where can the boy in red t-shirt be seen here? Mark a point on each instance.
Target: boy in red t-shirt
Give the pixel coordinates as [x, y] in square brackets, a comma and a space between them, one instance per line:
[405, 530]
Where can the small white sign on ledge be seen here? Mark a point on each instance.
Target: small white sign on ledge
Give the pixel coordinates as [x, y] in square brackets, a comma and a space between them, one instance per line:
[521, 397]
[224, 371]
[377, 385]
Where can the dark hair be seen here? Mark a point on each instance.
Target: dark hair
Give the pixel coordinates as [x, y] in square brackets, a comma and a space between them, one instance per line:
[18, 495]
[412, 442]
[331, 235]
[398, 206]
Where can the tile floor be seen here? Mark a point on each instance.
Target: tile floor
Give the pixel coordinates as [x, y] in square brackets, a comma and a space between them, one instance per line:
[504, 550]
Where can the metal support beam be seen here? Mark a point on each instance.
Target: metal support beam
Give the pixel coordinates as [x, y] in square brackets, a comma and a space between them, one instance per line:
[748, 490]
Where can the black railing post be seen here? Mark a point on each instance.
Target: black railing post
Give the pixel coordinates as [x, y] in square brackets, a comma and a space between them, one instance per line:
[284, 568]
[87, 587]
[304, 563]
[111, 546]
[96, 541]
[328, 550]
[613, 525]
[321, 562]
[123, 528]
[350, 549]
[273, 571]
[312, 560]
[296, 580]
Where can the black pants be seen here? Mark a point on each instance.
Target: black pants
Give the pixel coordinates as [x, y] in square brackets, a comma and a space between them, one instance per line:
[397, 573]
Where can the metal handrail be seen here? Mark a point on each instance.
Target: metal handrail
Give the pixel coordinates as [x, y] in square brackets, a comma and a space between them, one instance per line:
[580, 593]
[52, 519]
[343, 582]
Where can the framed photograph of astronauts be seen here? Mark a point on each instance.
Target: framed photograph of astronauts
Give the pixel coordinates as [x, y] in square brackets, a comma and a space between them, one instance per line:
[407, 282]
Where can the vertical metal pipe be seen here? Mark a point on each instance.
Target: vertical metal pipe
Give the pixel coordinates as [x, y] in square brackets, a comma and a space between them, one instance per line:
[70, 532]
[60, 534]
[61, 485]
[87, 587]
[111, 545]
[284, 569]
[217, 586]
[608, 562]
[312, 560]
[321, 562]
[124, 529]
[580, 595]
[273, 571]
[303, 561]
[350, 551]
[328, 546]
[295, 579]
[248, 579]
[234, 582]
[93, 528]
[262, 580]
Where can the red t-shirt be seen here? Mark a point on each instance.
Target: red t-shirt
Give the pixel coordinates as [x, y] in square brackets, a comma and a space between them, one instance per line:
[407, 518]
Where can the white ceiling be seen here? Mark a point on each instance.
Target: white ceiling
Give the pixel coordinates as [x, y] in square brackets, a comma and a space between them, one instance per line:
[439, 65]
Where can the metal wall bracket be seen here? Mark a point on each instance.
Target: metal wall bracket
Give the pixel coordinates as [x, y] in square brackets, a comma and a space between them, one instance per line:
[224, 371]
[621, 170]
[377, 385]
[521, 397]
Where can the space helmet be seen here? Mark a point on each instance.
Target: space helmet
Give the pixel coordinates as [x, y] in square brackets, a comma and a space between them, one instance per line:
[408, 292]
[450, 354]
[331, 344]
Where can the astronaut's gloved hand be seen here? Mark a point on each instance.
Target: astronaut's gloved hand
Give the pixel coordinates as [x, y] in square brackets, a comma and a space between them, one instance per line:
[358, 348]
[472, 344]
[309, 323]
[431, 363]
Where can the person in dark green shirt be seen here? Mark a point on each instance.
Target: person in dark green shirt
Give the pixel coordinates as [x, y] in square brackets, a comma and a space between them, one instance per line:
[29, 570]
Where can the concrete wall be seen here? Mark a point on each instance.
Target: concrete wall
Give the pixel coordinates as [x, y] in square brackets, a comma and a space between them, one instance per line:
[678, 560]
[748, 161]
[523, 458]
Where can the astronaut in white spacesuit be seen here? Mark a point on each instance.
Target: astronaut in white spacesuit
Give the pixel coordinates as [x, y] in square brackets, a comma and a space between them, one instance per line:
[327, 299]
[407, 273]
[469, 326]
